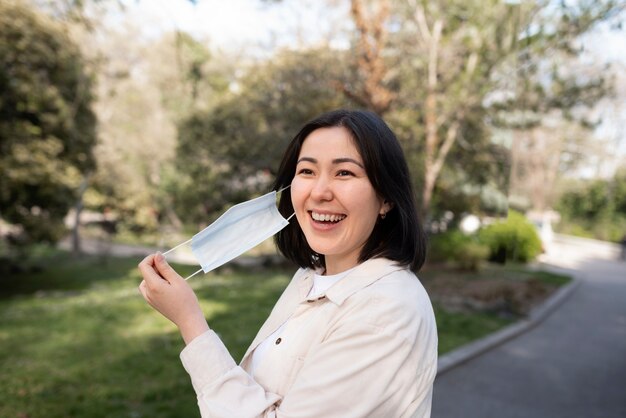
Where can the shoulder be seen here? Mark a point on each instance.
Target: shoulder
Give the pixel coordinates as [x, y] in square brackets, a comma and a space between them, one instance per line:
[395, 307]
[400, 285]
[385, 279]
[393, 295]
[399, 291]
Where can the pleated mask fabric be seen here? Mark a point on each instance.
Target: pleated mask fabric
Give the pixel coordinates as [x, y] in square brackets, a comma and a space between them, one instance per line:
[236, 231]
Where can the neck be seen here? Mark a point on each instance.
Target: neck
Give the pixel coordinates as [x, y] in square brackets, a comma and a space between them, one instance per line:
[337, 265]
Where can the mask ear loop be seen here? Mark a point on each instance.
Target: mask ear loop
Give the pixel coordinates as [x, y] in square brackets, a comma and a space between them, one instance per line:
[193, 275]
[180, 245]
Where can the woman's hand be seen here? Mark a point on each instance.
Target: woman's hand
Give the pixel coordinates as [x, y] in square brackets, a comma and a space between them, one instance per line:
[167, 292]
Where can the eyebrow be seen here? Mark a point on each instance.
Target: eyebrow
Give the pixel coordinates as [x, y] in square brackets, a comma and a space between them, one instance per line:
[335, 161]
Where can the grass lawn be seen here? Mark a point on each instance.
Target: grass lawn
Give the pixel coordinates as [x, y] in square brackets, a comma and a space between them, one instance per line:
[77, 339]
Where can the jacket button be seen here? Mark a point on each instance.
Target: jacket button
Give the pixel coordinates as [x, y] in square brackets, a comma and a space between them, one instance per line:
[278, 341]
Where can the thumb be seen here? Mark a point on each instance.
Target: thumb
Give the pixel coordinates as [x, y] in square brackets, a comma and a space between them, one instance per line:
[165, 270]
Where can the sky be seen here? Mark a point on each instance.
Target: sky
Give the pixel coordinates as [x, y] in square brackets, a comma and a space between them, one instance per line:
[241, 24]
[236, 23]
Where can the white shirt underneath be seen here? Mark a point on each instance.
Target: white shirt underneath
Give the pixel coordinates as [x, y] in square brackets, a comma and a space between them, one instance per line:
[320, 285]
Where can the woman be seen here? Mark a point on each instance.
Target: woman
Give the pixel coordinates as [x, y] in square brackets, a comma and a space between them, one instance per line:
[353, 334]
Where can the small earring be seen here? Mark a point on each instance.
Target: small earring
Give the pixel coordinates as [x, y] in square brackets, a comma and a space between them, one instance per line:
[383, 215]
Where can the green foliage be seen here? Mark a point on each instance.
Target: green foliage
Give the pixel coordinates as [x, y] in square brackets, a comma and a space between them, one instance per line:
[514, 239]
[596, 208]
[462, 250]
[228, 153]
[444, 246]
[47, 128]
[139, 104]
[471, 256]
[229, 119]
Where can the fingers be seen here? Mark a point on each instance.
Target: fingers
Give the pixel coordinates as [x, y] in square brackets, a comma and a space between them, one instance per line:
[147, 291]
[164, 269]
[175, 301]
[153, 279]
[143, 290]
[150, 274]
[147, 264]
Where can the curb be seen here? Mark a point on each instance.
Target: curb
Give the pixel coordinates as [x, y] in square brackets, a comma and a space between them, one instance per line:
[474, 349]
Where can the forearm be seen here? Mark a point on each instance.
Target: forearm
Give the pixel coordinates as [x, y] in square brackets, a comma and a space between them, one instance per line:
[223, 388]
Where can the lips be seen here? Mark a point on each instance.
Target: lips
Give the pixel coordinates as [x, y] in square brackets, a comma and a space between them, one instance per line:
[327, 217]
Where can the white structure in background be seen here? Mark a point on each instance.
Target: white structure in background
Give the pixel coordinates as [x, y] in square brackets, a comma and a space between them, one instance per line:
[469, 224]
[543, 222]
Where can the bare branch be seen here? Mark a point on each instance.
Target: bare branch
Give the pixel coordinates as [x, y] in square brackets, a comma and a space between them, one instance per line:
[420, 20]
[434, 54]
[442, 153]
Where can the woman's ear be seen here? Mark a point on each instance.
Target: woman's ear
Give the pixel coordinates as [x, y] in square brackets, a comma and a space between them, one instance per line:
[386, 207]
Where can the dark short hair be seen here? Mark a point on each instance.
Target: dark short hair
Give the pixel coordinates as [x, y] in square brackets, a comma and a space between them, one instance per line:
[400, 236]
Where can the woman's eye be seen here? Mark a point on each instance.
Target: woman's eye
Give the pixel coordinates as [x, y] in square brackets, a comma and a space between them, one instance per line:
[305, 171]
[344, 173]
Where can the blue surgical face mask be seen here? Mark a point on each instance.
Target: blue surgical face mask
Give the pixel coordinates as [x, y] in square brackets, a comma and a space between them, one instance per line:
[239, 229]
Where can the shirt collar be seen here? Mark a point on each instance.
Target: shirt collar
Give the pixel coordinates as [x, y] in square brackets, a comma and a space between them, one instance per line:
[362, 276]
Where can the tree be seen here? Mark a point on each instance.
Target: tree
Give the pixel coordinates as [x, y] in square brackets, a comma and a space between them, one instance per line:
[145, 88]
[441, 55]
[595, 207]
[540, 153]
[449, 57]
[47, 127]
[551, 95]
[229, 152]
[369, 88]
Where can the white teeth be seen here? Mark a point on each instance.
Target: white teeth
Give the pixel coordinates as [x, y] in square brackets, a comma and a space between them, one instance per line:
[326, 217]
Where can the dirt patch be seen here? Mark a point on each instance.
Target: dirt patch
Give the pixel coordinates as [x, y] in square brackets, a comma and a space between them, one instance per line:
[495, 289]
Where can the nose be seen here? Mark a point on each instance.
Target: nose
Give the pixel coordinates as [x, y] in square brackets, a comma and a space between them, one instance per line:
[321, 190]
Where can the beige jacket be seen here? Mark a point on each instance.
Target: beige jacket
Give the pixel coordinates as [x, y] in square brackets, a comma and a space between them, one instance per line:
[367, 348]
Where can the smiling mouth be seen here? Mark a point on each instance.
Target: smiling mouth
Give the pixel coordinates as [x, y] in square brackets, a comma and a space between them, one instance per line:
[326, 217]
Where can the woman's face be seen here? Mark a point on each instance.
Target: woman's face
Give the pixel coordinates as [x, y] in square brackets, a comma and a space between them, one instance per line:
[334, 201]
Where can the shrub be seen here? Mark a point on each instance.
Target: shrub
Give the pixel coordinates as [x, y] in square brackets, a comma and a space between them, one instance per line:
[462, 250]
[512, 240]
[471, 255]
[444, 246]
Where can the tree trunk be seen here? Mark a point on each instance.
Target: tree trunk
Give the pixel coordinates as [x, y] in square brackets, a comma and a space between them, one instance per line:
[372, 34]
[78, 208]
[430, 119]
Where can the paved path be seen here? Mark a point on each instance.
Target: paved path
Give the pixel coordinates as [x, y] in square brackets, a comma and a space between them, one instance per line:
[181, 255]
[572, 365]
